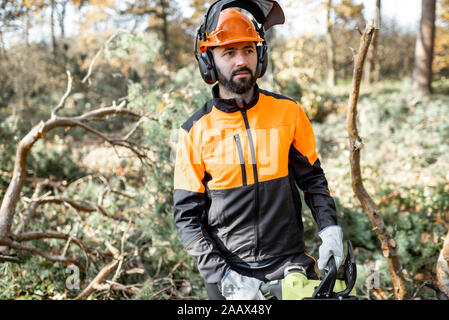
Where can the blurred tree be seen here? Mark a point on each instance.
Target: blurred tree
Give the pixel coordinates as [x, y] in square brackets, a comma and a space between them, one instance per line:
[422, 73]
[372, 66]
[441, 46]
[161, 13]
[345, 12]
[199, 10]
[330, 46]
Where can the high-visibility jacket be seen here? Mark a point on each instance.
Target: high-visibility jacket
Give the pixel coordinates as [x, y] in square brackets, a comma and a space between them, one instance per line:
[237, 170]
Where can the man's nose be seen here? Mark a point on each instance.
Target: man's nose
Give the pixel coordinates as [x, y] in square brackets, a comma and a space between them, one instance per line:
[241, 59]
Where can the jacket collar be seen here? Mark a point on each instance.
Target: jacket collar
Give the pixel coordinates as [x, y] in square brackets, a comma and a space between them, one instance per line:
[235, 104]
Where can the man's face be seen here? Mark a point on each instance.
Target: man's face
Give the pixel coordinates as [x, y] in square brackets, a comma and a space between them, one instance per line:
[236, 66]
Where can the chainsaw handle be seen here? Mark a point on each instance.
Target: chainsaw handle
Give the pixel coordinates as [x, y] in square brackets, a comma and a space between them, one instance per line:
[326, 287]
[350, 272]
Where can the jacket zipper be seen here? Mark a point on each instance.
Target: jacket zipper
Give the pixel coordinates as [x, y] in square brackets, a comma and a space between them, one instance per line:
[242, 158]
[256, 184]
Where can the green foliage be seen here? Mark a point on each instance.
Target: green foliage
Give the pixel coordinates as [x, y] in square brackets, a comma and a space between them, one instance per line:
[146, 47]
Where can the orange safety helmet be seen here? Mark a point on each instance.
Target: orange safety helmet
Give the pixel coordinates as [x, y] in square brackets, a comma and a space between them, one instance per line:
[233, 26]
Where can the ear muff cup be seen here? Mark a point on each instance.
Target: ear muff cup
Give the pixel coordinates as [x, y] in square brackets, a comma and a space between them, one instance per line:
[262, 60]
[207, 67]
[209, 72]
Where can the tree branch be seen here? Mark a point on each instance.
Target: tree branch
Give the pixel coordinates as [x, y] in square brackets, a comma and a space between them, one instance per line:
[99, 52]
[16, 245]
[12, 194]
[102, 275]
[67, 93]
[388, 244]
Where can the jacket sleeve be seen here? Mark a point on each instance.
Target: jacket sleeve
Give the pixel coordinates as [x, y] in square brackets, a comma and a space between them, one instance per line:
[309, 175]
[189, 197]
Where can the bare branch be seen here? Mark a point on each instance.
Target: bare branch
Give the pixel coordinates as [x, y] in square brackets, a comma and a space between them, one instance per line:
[67, 93]
[102, 275]
[86, 206]
[12, 194]
[112, 37]
[31, 209]
[16, 245]
[9, 258]
[388, 244]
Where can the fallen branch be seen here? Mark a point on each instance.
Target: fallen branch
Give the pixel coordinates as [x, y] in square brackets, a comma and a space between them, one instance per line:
[388, 244]
[379, 294]
[101, 277]
[54, 235]
[31, 210]
[12, 194]
[9, 258]
[86, 206]
[55, 258]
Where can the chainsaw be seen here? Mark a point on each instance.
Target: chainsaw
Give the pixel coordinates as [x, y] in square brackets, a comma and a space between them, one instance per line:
[296, 286]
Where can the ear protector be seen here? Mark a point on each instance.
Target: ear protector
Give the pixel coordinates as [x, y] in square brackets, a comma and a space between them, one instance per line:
[206, 62]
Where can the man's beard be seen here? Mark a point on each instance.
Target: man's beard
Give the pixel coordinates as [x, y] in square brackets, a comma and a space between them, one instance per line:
[240, 86]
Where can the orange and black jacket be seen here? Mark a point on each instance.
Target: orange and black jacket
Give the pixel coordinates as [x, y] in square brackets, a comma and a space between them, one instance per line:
[237, 170]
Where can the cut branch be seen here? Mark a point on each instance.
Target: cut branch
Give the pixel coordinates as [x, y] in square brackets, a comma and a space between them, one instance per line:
[101, 277]
[388, 244]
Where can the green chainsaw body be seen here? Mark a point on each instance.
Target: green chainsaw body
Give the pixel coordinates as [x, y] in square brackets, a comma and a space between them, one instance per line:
[296, 286]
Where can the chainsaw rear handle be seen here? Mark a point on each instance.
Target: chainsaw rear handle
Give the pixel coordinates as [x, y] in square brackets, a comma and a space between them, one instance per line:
[350, 272]
[326, 287]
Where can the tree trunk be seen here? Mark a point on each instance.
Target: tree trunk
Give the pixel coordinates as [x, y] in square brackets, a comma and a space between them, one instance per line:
[2, 44]
[422, 73]
[52, 28]
[372, 70]
[26, 31]
[331, 77]
[165, 37]
[61, 18]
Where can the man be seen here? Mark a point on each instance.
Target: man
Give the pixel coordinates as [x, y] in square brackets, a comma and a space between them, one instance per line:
[239, 161]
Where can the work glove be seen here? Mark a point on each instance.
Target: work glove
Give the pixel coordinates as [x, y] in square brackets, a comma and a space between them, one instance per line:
[332, 245]
[235, 286]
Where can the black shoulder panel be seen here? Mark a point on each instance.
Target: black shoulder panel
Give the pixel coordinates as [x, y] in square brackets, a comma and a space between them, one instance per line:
[205, 109]
[276, 95]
